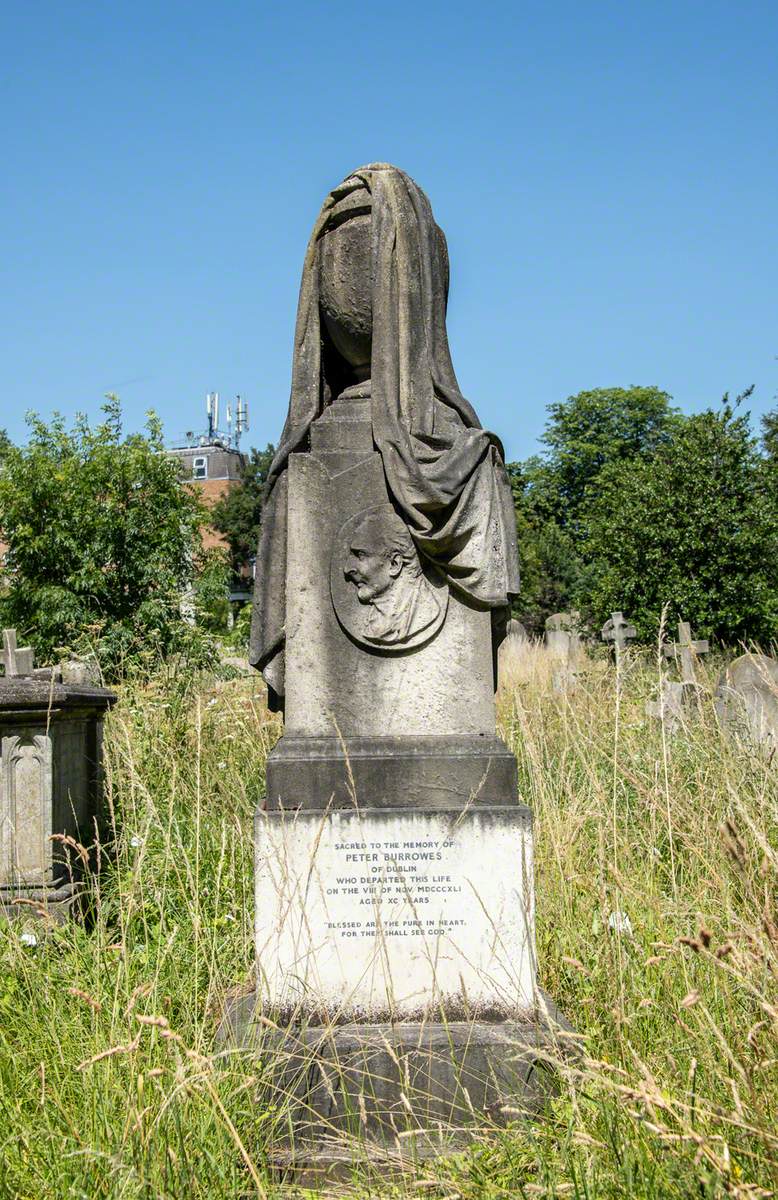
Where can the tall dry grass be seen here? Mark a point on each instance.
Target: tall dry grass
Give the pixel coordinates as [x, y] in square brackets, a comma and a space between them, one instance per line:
[656, 878]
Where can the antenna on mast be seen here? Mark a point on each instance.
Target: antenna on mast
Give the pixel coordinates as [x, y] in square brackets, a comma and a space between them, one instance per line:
[241, 418]
[209, 409]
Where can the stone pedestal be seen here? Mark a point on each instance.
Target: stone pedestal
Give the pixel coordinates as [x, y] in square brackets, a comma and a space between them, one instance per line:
[50, 785]
[395, 914]
[394, 891]
[390, 1094]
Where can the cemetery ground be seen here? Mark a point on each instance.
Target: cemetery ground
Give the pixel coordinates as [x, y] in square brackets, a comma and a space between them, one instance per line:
[656, 882]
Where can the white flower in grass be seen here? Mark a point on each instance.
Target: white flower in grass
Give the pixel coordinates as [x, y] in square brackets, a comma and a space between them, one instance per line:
[221, 765]
[28, 938]
[619, 922]
[136, 841]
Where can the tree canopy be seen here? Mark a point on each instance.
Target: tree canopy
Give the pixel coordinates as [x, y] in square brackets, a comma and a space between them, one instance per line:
[588, 431]
[238, 514]
[691, 527]
[634, 506]
[101, 536]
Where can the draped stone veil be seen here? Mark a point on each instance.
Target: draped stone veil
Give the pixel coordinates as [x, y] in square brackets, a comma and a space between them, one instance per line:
[444, 473]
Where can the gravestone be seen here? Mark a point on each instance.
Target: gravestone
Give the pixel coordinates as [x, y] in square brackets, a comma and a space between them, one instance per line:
[747, 700]
[395, 940]
[563, 641]
[50, 782]
[673, 696]
[563, 634]
[686, 651]
[516, 631]
[618, 631]
[17, 660]
[669, 707]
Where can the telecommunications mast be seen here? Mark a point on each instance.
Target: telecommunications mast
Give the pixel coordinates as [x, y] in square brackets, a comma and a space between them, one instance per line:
[241, 419]
[212, 408]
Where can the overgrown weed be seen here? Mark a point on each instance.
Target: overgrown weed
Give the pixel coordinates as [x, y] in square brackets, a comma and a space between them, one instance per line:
[656, 882]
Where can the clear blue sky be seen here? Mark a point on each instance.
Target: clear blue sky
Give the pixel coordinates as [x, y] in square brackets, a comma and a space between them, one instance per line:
[606, 174]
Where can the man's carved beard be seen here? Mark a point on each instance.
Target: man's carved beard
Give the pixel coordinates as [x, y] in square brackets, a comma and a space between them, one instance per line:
[406, 607]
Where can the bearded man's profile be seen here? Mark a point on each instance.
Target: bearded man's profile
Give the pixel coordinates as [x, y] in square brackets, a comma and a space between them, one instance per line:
[384, 567]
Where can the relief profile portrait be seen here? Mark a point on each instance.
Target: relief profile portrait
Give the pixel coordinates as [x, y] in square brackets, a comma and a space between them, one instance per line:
[381, 592]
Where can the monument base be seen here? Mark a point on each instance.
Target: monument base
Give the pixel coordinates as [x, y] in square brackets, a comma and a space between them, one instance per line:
[398, 1093]
[51, 906]
[432, 772]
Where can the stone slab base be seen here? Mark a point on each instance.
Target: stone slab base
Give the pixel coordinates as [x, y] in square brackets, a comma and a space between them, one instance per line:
[51, 906]
[398, 1093]
[434, 772]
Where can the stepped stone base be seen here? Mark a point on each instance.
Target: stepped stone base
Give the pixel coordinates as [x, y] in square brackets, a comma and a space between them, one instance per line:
[399, 1092]
[432, 772]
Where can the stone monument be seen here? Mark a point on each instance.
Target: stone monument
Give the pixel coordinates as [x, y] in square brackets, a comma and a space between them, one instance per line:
[618, 632]
[563, 642]
[50, 782]
[747, 700]
[674, 697]
[394, 893]
[563, 634]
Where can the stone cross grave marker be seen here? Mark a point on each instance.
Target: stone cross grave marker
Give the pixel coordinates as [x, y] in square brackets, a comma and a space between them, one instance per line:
[674, 696]
[687, 649]
[17, 660]
[618, 631]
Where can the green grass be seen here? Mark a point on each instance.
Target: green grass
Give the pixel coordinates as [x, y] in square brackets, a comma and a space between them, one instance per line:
[112, 1084]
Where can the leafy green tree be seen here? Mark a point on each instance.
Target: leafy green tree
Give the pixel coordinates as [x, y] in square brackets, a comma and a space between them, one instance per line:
[5, 444]
[238, 514]
[212, 590]
[102, 537]
[587, 432]
[770, 435]
[694, 525]
[550, 565]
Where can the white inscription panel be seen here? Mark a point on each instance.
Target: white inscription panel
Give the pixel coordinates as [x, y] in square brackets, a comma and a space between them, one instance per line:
[388, 910]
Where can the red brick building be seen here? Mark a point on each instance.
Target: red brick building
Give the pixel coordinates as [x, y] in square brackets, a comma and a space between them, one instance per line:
[211, 466]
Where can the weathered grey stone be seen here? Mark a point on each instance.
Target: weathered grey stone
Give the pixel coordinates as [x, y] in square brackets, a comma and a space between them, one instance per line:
[618, 631]
[563, 642]
[669, 707]
[237, 662]
[430, 772]
[396, 914]
[516, 630]
[747, 700]
[563, 634]
[50, 785]
[351, 1089]
[393, 859]
[80, 671]
[686, 651]
[335, 687]
[676, 701]
[372, 310]
[17, 660]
